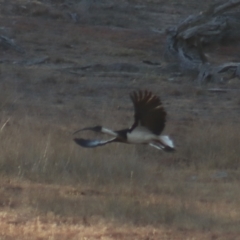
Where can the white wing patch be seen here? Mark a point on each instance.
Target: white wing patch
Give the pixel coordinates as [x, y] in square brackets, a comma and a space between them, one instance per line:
[109, 132]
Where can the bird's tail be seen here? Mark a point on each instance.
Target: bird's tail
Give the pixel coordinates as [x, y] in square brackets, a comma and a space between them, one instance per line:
[164, 143]
[168, 143]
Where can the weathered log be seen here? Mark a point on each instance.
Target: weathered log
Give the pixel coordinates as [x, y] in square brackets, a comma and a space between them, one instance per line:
[208, 72]
[184, 41]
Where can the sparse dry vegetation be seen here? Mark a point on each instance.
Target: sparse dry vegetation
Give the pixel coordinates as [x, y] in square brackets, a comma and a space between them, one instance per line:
[55, 181]
[51, 188]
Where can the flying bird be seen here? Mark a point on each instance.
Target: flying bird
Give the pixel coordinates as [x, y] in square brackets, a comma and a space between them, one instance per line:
[149, 122]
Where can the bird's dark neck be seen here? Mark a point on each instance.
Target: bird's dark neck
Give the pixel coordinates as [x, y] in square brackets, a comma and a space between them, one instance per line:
[122, 134]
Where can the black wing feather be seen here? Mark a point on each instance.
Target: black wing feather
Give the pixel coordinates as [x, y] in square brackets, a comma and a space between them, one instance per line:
[92, 143]
[149, 111]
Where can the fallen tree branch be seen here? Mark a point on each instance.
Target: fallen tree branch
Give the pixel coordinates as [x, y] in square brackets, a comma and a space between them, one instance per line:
[185, 41]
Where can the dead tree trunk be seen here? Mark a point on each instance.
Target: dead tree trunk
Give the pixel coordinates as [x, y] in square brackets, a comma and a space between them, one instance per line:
[186, 42]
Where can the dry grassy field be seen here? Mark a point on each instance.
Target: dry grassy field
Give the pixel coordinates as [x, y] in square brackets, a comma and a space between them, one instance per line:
[73, 64]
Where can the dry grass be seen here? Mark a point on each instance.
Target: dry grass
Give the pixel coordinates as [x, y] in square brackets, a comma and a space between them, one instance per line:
[72, 190]
[212, 145]
[118, 183]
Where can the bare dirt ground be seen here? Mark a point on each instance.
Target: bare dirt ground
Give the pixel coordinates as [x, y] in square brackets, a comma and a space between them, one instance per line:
[73, 65]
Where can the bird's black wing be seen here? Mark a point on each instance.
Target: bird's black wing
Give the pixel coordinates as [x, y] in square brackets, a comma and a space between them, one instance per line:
[148, 111]
[92, 143]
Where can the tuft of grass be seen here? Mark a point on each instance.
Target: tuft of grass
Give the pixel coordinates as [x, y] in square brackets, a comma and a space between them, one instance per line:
[116, 182]
[42, 152]
[212, 146]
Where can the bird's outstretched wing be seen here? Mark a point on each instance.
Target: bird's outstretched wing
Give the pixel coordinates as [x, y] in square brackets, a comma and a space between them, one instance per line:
[148, 111]
[92, 143]
[99, 129]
